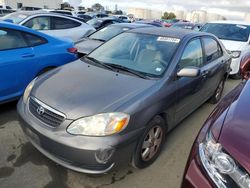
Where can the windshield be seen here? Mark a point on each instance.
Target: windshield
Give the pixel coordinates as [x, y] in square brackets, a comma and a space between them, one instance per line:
[15, 17]
[223, 31]
[95, 22]
[148, 54]
[108, 33]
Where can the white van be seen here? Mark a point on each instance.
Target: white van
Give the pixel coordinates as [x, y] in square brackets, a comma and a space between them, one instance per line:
[235, 37]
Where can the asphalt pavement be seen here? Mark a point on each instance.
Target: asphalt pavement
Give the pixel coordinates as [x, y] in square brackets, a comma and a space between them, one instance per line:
[22, 166]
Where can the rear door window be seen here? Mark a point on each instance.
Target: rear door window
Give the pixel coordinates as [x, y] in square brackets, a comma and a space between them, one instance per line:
[63, 23]
[212, 49]
[192, 55]
[39, 23]
[11, 39]
[34, 40]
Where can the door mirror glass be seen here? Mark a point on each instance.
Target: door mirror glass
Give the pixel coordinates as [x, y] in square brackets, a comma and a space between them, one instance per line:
[245, 66]
[189, 72]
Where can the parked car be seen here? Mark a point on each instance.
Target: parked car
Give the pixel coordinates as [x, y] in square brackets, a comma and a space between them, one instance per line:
[30, 8]
[64, 12]
[5, 7]
[4, 12]
[88, 44]
[220, 154]
[187, 25]
[86, 18]
[150, 22]
[99, 23]
[124, 18]
[96, 14]
[52, 24]
[25, 54]
[235, 37]
[117, 104]
[170, 22]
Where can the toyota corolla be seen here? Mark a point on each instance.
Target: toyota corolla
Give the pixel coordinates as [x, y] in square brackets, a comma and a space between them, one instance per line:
[117, 104]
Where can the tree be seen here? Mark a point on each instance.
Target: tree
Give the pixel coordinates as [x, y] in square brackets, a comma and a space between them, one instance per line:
[168, 16]
[97, 7]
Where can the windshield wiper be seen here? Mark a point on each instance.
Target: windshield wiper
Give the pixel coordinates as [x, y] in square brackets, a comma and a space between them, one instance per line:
[101, 40]
[125, 69]
[99, 62]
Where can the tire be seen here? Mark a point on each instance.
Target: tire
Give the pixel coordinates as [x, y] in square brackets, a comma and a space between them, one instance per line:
[236, 76]
[150, 144]
[218, 93]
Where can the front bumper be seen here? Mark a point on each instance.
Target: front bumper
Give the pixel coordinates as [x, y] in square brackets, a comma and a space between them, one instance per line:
[235, 65]
[78, 153]
[195, 176]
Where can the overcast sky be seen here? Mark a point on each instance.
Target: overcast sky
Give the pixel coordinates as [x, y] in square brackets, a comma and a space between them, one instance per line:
[229, 8]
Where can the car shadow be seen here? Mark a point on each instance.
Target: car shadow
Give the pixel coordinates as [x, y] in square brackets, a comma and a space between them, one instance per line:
[7, 113]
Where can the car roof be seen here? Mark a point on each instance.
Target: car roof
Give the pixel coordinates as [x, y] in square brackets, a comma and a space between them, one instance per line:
[231, 22]
[168, 32]
[131, 25]
[43, 12]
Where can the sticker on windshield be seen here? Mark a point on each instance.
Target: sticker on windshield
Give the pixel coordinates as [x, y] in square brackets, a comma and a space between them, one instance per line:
[125, 29]
[168, 39]
[158, 69]
[241, 26]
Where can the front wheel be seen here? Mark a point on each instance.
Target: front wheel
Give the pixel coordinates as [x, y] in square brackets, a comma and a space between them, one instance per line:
[218, 93]
[150, 144]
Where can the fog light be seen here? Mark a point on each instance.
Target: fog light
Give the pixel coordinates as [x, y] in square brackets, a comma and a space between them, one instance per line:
[103, 155]
[224, 163]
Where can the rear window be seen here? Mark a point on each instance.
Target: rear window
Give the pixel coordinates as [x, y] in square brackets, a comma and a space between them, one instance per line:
[108, 32]
[236, 32]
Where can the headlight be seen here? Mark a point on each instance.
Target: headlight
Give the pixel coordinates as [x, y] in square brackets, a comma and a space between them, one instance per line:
[28, 90]
[235, 54]
[99, 125]
[222, 168]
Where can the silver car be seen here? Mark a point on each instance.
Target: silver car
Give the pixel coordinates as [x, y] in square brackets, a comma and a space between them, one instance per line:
[52, 24]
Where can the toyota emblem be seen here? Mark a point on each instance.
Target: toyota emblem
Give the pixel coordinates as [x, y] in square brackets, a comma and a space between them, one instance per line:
[40, 110]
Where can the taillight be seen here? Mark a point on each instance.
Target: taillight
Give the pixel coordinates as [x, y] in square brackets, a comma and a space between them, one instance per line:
[72, 50]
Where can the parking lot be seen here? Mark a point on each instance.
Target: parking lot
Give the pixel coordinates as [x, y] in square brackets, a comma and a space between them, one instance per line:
[21, 165]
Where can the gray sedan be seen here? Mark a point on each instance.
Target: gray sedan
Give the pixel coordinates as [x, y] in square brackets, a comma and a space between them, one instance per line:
[117, 104]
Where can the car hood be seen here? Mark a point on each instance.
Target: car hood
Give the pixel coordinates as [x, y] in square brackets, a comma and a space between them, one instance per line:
[79, 89]
[235, 134]
[233, 45]
[85, 46]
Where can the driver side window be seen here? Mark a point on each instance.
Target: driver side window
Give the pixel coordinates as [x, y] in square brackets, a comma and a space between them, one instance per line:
[192, 55]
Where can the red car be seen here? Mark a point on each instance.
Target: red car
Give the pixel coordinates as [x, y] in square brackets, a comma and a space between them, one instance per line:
[220, 156]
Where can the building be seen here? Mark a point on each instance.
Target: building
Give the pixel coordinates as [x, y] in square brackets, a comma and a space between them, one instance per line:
[52, 4]
[145, 13]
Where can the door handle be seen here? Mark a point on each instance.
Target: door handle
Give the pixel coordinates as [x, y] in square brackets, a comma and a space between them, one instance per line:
[26, 55]
[204, 73]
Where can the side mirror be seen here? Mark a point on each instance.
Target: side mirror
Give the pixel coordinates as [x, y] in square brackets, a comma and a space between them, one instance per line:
[245, 66]
[189, 72]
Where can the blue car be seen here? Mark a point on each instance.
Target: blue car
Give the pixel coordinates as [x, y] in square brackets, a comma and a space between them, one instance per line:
[25, 54]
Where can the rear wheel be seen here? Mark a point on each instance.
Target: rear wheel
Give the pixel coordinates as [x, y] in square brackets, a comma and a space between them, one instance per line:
[236, 76]
[218, 93]
[150, 144]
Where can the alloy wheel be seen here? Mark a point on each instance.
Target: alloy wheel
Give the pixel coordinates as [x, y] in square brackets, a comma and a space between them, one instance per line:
[151, 143]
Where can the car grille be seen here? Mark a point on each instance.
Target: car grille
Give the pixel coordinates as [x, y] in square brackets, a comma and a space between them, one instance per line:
[45, 114]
